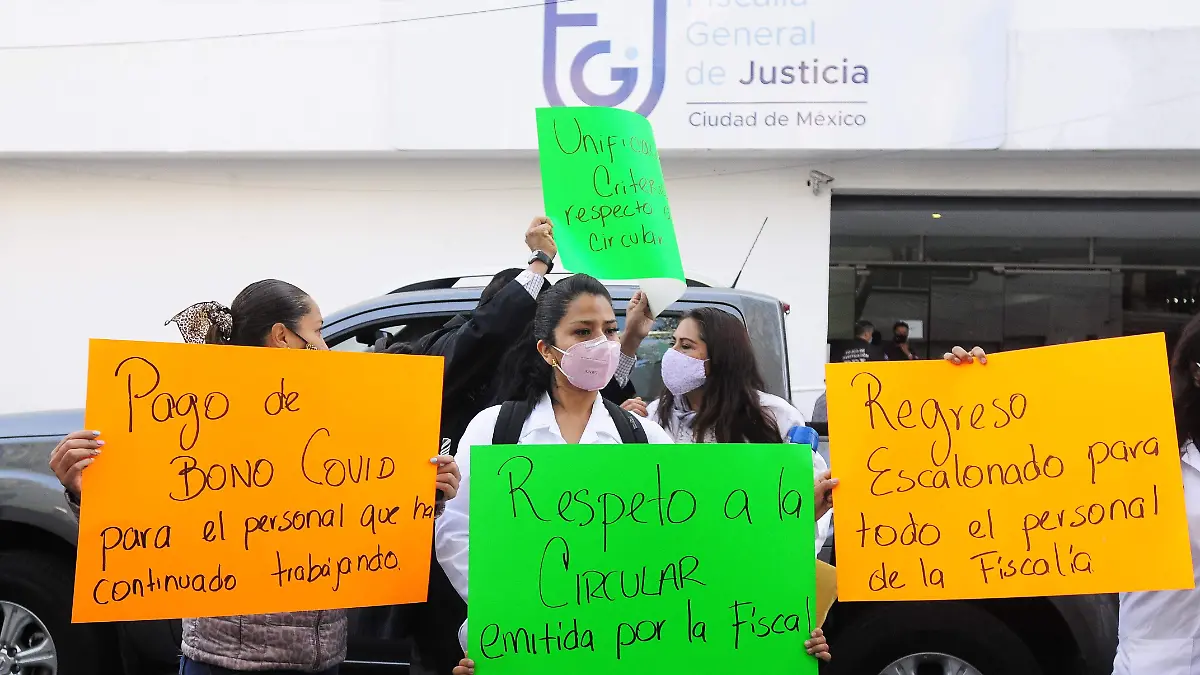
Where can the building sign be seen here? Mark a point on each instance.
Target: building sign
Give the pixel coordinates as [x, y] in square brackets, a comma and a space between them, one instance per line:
[719, 74]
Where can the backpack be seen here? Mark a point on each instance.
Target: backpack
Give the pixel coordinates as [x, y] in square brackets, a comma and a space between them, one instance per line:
[514, 413]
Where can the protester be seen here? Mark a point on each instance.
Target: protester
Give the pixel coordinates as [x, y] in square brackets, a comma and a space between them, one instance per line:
[1158, 631]
[267, 313]
[863, 349]
[817, 646]
[713, 393]
[472, 346]
[550, 385]
[898, 349]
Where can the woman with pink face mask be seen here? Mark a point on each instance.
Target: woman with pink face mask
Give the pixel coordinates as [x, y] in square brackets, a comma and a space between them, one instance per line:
[551, 384]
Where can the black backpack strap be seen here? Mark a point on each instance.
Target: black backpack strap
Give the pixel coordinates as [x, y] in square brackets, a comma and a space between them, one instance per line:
[508, 425]
[630, 430]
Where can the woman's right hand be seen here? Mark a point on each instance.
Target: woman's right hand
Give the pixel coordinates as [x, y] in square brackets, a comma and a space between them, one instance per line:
[72, 455]
[465, 667]
[959, 356]
[635, 405]
[540, 236]
[638, 320]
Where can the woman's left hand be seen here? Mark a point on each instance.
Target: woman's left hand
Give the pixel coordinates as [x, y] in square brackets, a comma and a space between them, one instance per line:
[447, 475]
[823, 494]
[817, 646]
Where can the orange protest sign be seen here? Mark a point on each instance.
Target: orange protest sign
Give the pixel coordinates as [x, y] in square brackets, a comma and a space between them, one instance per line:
[239, 480]
[1050, 471]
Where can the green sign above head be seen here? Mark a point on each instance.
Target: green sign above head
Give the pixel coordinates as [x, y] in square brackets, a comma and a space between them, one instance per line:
[614, 559]
[602, 184]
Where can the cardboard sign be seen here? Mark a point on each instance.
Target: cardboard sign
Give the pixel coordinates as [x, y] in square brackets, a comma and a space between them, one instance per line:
[603, 188]
[241, 480]
[1050, 471]
[621, 558]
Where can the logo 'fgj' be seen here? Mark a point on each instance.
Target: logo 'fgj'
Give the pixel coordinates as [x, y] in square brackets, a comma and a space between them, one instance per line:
[626, 77]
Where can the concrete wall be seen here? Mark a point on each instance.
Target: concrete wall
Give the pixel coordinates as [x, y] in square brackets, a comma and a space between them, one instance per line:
[113, 250]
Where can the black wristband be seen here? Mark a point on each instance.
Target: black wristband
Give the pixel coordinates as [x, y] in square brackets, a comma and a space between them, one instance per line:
[542, 257]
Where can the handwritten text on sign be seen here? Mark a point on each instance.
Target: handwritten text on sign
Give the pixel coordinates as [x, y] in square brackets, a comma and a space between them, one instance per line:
[604, 192]
[603, 559]
[238, 480]
[1050, 471]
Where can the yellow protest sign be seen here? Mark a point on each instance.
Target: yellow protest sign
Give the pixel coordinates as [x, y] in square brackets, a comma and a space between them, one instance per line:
[241, 480]
[1050, 471]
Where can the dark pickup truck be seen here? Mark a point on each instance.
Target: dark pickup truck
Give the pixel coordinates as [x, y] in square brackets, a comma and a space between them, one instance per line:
[1072, 635]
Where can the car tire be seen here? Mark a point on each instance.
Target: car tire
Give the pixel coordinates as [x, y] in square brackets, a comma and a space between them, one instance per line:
[888, 632]
[43, 584]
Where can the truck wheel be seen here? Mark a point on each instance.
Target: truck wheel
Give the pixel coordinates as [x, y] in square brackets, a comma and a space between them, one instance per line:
[36, 634]
[938, 638]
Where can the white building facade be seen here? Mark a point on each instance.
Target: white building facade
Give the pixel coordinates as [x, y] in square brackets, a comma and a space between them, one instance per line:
[155, 154]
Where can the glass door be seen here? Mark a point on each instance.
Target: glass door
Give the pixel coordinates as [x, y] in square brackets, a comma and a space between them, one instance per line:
[966, 308]
[1050, 307]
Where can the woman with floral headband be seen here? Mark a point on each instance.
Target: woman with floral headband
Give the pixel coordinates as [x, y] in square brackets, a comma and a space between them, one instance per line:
[267, 313]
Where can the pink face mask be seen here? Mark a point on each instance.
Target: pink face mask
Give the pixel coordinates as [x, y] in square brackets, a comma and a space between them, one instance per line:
[590, 365]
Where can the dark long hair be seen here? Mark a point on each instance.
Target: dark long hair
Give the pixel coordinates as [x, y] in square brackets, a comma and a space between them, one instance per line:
[1184, 393]
[731, 409]
[260, 306]
[524, 374]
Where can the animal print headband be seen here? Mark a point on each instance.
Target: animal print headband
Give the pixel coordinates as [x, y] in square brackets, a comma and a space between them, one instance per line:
[195, 322]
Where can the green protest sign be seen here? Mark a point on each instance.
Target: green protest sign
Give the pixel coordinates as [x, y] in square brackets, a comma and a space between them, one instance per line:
[602, 184]
[628, 559]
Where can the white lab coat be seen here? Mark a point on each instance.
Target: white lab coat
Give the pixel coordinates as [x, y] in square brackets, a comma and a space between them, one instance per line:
[1160, 630]
[451, 532]
[786, 416]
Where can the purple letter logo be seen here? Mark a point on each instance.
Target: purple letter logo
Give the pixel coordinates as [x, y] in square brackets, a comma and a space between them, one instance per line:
[625, 77]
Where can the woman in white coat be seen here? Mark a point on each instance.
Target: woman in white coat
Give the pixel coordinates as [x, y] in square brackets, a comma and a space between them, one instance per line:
[556, 373]
[714, 394]
[1159, 631]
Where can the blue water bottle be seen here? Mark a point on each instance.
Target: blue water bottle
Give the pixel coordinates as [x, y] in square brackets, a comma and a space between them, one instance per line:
[804, 436]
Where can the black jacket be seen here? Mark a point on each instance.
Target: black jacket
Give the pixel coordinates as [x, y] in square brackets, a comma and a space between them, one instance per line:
[473, 349]
[861, 351]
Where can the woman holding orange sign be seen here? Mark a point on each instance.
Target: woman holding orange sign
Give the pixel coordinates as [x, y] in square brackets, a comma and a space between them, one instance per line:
[267, 313]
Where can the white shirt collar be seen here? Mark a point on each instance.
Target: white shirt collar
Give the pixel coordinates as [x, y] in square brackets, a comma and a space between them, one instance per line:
[599, 429]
